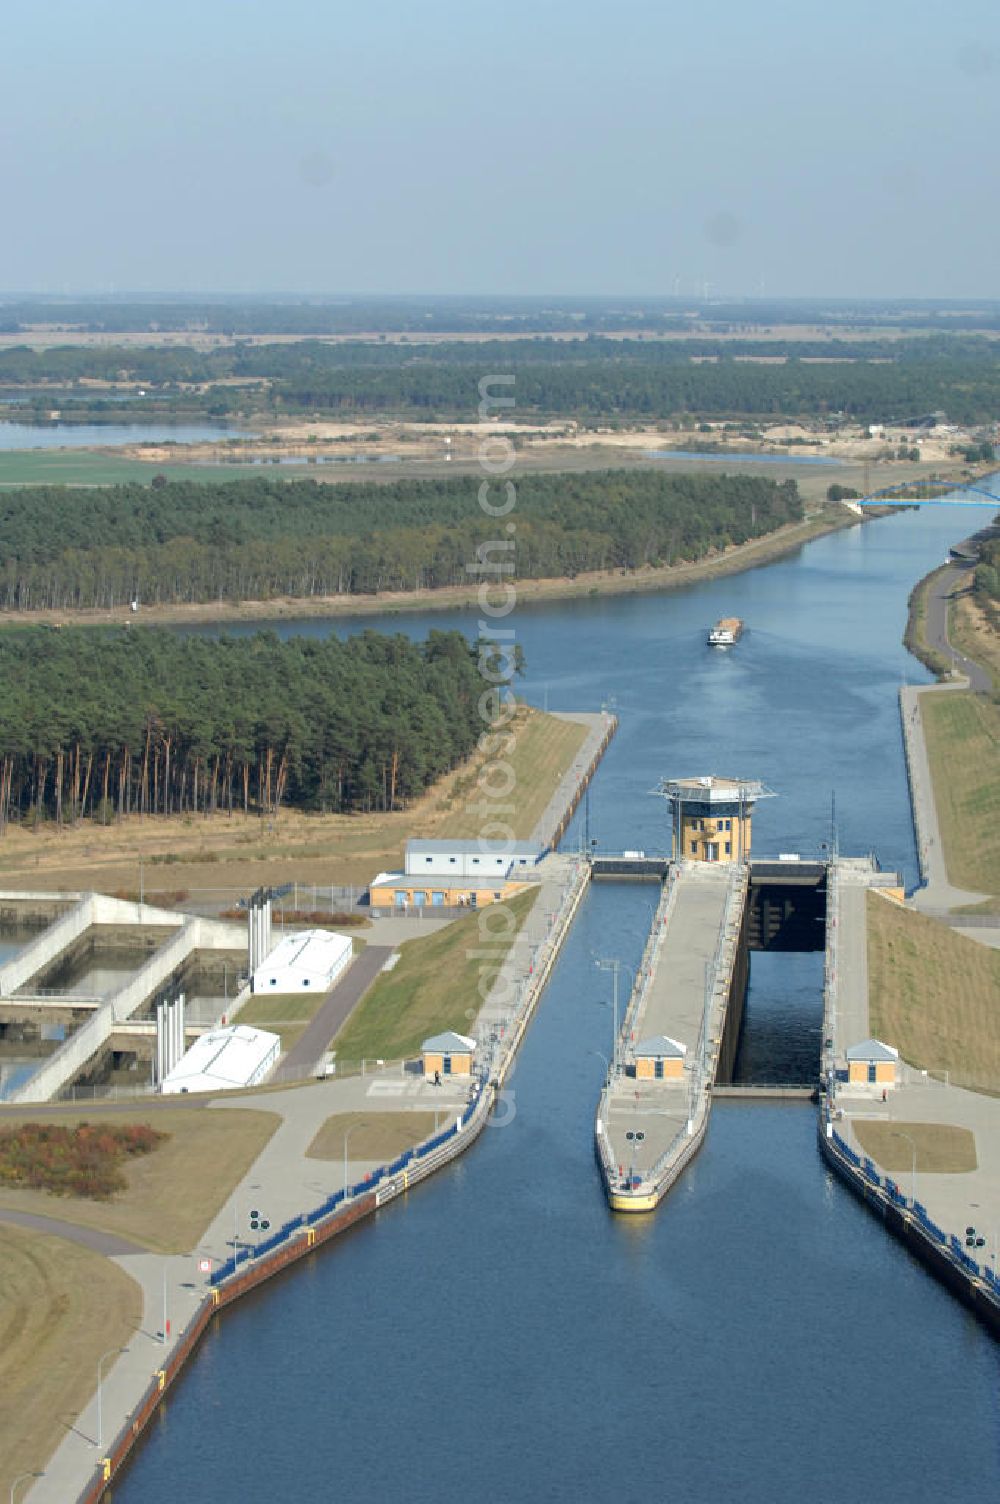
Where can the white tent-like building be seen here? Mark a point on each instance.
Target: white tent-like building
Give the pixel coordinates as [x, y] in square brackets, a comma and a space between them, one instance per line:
[224, 1060]
[308, 961]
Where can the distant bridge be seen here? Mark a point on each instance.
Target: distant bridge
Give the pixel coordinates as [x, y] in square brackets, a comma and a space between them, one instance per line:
[965, 495]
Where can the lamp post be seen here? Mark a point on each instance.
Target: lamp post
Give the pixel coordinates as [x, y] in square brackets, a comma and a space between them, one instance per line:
[601, 1056]
[614, 965]
[607, 1125]
[20, 1479]
[899, 1133]
[111, 1352]
[346, 1137]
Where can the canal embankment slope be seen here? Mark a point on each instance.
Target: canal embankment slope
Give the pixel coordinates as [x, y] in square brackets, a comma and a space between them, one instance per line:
[306, 1202]
[946, 1136]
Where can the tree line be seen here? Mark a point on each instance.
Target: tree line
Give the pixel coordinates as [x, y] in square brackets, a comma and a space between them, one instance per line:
[595, 378]
[252, 539]
[987, 576]
[100, 723]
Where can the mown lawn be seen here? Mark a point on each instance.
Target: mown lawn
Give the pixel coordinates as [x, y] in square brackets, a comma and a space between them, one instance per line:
[940, 1148]
[934, 995]
[61, 1307]
[172, 1193]
[375, 1136]
[286, 1014]
[963, 744]
[437, 984]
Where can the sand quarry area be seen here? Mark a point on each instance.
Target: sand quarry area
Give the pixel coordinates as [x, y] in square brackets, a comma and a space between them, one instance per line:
[442, 443]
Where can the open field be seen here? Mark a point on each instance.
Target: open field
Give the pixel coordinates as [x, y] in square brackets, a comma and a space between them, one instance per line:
[174, 1192]
[971, 633]
[933, 995]
[223, 856]
[380, 1136]
[962, 732]
[61, 1308]
[439, 983]
[89, 467]
[941, 1148]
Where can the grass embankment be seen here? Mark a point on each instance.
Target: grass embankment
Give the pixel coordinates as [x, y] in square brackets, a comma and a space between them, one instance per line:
[973, 635]
[933, 995]
[439, 983]
[940, 1148]
[287, 1014]
[61, 1307]
[962, 732]
[225, 856]
[380, 1136]
[173, 1193]
[915, 636]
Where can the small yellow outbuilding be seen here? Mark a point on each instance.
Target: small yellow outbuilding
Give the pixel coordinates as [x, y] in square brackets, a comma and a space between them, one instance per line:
[659, 1059]
[872, 1063]
[447, 1055]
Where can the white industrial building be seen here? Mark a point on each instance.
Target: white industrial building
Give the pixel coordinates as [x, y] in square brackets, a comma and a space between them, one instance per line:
[467, 858]
[224, 1060]
[308, 961]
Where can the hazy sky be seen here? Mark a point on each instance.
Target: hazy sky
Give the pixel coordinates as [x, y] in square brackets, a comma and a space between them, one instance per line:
[783, 146]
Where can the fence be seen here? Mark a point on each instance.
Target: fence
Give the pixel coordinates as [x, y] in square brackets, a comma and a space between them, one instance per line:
[249, 1265]
[948, 1250]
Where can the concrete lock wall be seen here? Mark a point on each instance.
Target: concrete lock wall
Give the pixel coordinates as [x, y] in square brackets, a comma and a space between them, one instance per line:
[72, 1056]
[49, 944]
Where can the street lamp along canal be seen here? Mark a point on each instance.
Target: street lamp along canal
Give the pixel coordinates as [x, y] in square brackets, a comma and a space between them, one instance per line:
[615, 966]
[111, 1352]
[899, 1133]
[20, 1479]
[347, 1135]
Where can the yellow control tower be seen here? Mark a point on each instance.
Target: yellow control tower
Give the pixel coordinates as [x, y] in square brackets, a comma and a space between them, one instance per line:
[711, 817]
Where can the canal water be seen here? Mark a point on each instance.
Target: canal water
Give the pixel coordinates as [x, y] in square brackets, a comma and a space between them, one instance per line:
[760, 1337]
[110, 435]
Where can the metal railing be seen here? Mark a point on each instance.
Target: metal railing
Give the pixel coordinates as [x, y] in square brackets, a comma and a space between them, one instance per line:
[717, 981]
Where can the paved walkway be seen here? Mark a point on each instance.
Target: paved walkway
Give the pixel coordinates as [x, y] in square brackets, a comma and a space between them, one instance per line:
[938, 894]
[397, 929]
[342, 1000]
[598, 725]
[951, 581]
[283, 1182]
[87, 1237]
[673, 1004]
[953, 1201]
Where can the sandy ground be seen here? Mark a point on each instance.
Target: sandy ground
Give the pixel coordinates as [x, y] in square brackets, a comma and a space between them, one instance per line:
[311, 440]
